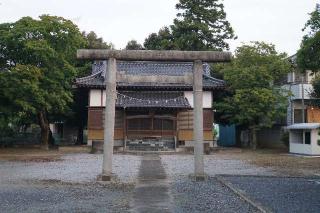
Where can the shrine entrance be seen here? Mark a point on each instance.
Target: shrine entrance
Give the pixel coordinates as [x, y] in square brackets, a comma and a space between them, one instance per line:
[111, 77]
[151, 130]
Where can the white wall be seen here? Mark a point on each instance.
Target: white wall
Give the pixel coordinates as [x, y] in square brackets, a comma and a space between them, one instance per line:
[297, 146]
[304, 149]
[207, 98]
[95, 97]
[314, 142]
[104, 98]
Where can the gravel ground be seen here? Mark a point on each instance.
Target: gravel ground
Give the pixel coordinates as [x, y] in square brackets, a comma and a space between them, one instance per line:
[210, 195]
[73, 168]
[67, 185]
[59, 197]
[281, 194]
[206, 196]
[183, 165]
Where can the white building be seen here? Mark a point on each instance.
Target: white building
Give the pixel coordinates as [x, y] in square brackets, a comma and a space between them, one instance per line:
[299, 109]
[304, 138]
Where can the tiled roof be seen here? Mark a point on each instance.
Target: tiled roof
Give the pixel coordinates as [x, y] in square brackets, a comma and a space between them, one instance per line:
[149, 67]
[152, 99]
[96, 79]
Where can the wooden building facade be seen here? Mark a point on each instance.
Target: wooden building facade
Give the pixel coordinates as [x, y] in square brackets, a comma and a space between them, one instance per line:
[155, 111]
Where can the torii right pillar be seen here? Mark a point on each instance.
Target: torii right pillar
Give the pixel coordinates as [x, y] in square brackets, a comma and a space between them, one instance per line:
[198, 120]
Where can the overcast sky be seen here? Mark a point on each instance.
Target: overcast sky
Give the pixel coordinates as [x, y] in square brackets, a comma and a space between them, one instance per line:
[118, 21]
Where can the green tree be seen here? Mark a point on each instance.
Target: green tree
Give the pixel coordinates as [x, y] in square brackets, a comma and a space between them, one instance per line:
[163, 40]
[200, 25]
[255, 100]
[134, 45]
[95, 42]
[308, 56]
[313, 24]
[92, 42]
[17, 113]
[38, 56]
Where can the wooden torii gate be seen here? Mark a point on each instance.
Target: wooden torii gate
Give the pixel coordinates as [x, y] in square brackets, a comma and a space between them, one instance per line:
[197, 57]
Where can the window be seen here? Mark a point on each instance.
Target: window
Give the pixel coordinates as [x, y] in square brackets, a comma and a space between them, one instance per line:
[132, 124]
[157, 124]
[307, 137]
[151, 121]
[139, 124]
[163, 124]
[167, 124]
[301, 136]
[296, 136]
[145, 123]
[298, 116]
[290, 77]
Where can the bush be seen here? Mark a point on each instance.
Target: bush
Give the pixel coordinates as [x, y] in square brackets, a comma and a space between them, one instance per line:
[11, 135]
[285, 137]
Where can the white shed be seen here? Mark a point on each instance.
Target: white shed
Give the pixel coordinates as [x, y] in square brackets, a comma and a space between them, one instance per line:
[304, 138]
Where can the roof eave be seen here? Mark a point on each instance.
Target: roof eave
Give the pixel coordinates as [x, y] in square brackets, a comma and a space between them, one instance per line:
[165, 87]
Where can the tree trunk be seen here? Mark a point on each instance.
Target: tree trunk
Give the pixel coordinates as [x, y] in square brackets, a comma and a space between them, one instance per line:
[80, 135]
[253, 138]
[46, 134]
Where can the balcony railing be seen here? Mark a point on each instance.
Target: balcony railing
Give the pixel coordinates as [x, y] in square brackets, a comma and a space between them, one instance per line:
[296, 90]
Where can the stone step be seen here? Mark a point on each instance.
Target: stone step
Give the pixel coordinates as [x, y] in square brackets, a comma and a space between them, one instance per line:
[150, 145]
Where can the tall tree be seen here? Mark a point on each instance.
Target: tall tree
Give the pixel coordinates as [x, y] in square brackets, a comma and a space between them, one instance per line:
[163, 40]
[134, 45]
[200, 25]
[92, 42]
[95, 42]
[39, 58]
[313, 24]
[308, 57]
[16, 112]
[255, 101]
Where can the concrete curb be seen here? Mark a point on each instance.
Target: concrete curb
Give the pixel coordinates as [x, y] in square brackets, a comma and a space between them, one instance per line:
[242, 195]
[272, 176]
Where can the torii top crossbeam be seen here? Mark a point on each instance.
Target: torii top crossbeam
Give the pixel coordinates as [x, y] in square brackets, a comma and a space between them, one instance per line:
[154, 55]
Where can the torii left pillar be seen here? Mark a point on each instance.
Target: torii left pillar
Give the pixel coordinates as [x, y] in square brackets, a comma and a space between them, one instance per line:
[110, 82]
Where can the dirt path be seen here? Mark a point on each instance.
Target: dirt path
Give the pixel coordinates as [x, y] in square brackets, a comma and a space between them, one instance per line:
[152, 192]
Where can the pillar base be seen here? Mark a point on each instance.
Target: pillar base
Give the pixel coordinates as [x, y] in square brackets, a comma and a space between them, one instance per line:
[198, 177]
[106, 178]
